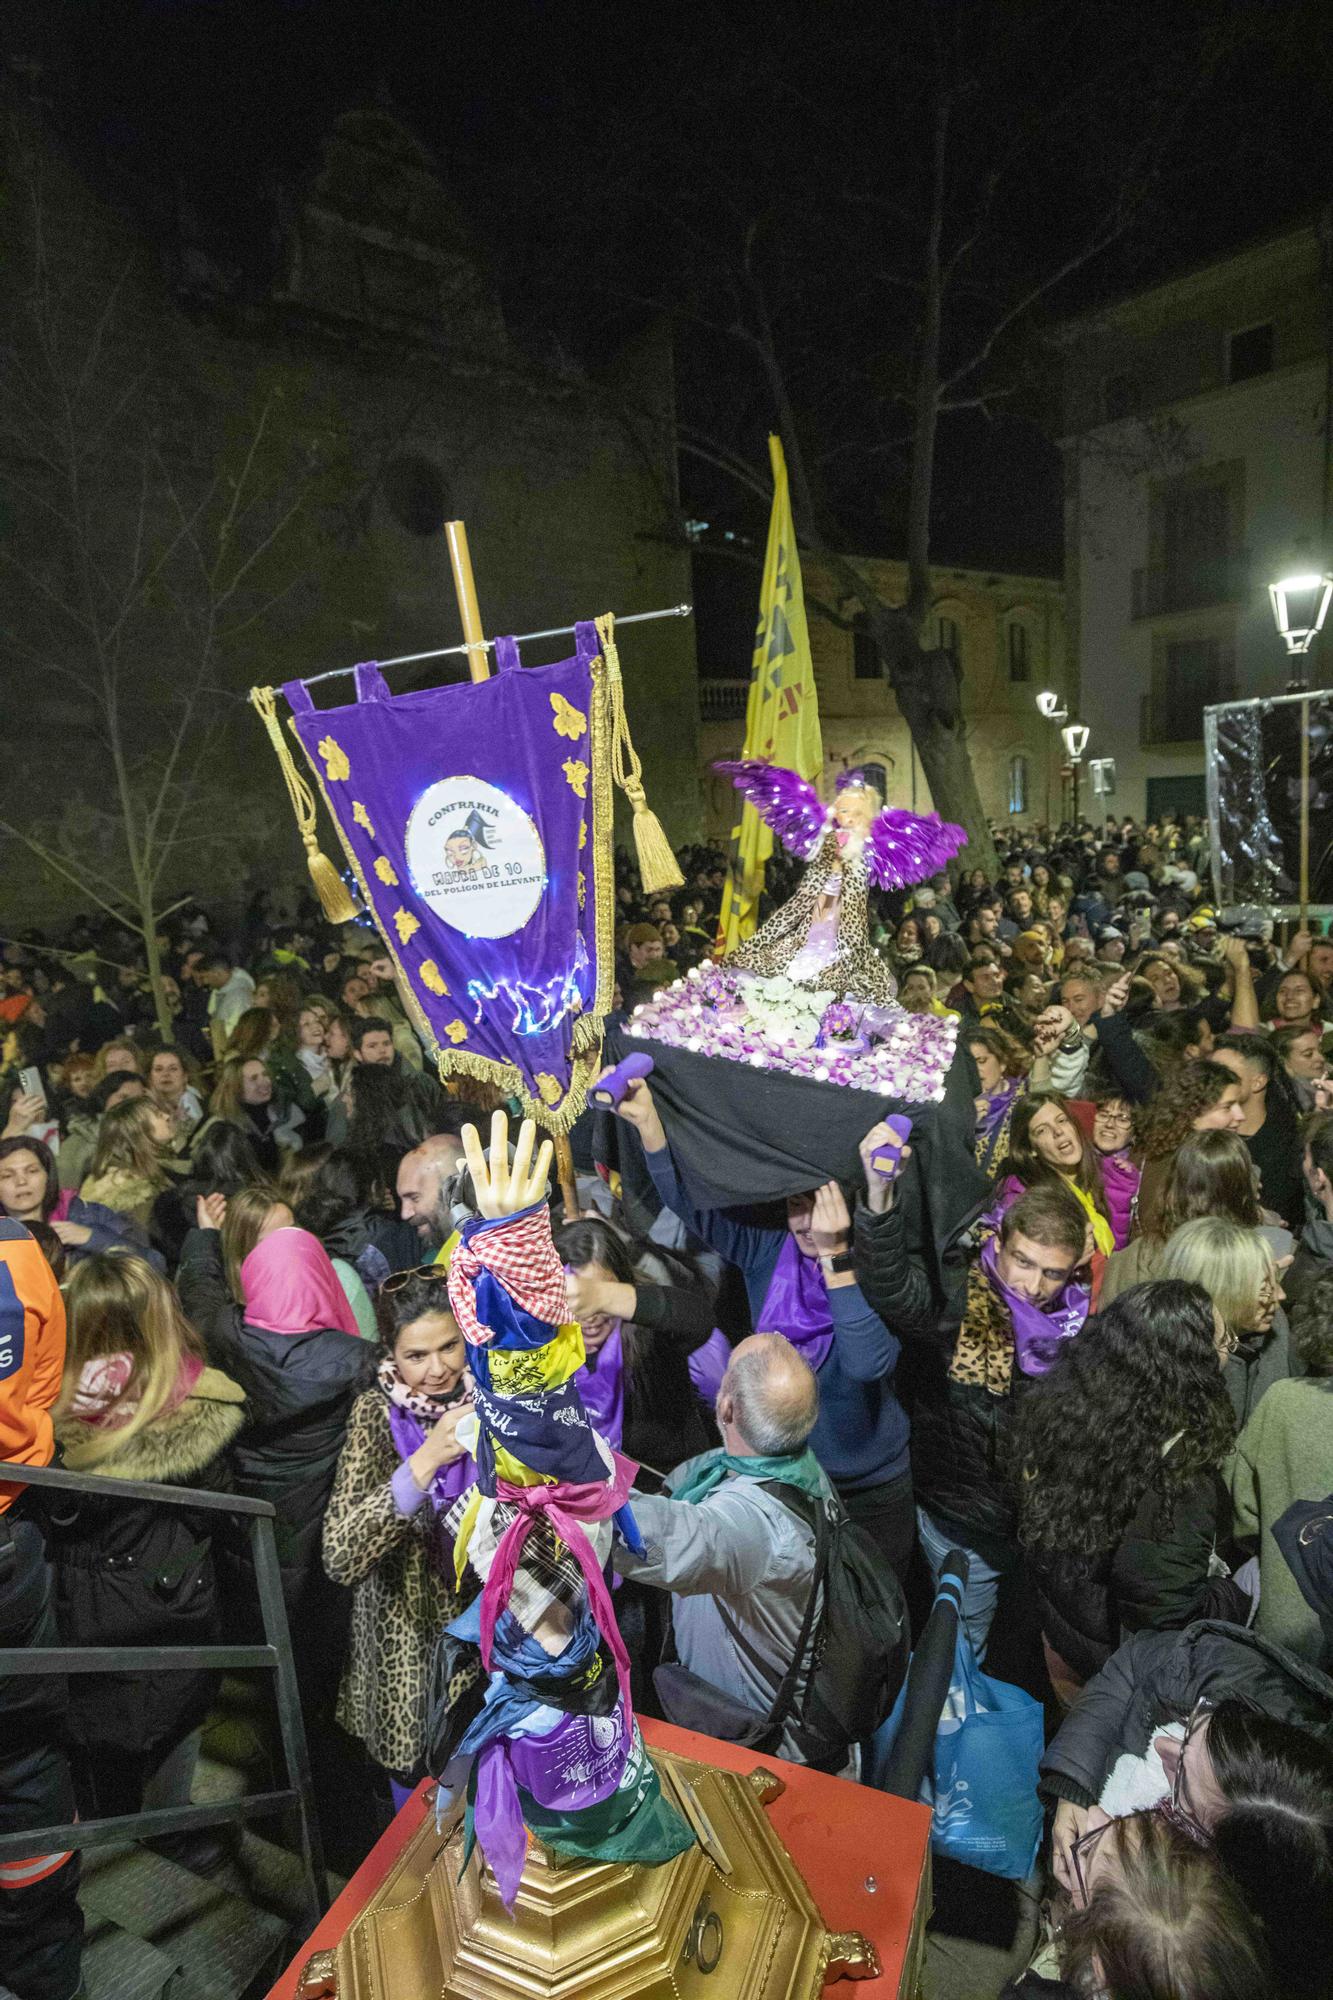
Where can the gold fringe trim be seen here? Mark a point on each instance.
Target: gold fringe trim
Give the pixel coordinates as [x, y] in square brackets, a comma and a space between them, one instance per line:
[658, 868]
[337, 905]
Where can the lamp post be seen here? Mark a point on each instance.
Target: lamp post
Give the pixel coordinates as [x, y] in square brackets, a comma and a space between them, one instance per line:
[1050, 707]
[1300, 599]
[1075, 736]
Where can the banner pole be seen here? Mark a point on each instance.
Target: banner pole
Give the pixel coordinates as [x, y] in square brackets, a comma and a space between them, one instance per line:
[465, 590]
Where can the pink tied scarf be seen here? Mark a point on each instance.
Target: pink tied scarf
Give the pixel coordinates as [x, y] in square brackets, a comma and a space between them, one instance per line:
[564, 1507]
[291, 1287]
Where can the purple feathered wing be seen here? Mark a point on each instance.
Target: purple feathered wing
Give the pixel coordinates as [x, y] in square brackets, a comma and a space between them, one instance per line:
[906, 847]
[784, 800]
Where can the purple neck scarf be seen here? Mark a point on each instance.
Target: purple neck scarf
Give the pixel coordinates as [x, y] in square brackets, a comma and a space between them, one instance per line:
[796, 1304]
[1039, 1331]
[997, 1106]
[409, 1434]
[601, 1383]
[1120, 1178]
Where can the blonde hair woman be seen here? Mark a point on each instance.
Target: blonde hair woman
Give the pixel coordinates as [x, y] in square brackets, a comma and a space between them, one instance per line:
[131, 1165]
[1235, 1267]
[137, 1402]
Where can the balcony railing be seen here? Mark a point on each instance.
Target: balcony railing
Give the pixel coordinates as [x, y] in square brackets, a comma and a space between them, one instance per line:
[723, 701]
[1194, 586]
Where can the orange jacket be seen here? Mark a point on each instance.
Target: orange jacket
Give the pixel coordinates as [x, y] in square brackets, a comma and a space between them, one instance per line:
[32, 1352]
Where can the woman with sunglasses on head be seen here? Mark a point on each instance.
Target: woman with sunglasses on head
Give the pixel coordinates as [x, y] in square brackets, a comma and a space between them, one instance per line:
[400, 1470]
[1118, 1451]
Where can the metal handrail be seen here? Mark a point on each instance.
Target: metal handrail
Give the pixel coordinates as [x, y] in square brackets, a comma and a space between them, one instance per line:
[274, 1656]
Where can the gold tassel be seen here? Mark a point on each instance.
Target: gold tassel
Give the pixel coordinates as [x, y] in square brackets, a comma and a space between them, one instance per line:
[337, 905]
[658, 868]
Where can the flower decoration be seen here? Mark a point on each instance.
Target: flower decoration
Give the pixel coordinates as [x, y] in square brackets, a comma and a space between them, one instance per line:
[569, 721]
[405, 924]
[583, 834]
[583, 888]
[362, 817]
[431, 976]
[576, 776]
[385, 870]
[335, 758]
[841, 1023]
[551, 1088]
[456, 1031]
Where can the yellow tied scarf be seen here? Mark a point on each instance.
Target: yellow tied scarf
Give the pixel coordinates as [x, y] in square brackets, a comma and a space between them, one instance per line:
[1102, 1234]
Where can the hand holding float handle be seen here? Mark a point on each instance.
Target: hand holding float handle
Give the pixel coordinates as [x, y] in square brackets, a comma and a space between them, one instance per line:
[502, 1189]
[610, 1087]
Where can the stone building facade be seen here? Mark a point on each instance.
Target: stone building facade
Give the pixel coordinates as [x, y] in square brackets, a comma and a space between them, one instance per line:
[1008, 635]
[1198, 450]
[366, 391]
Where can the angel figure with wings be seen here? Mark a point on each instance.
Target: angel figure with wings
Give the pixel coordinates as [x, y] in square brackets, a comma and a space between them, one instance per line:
[808, 993]
[820, 938]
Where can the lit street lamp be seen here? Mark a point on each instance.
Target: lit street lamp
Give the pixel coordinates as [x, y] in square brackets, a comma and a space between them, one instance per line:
[1075, 735]
[1300, 605]
[1053, 711]
[1300, 600]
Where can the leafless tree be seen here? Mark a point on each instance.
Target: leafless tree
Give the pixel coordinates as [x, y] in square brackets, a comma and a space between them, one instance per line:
[140, 558]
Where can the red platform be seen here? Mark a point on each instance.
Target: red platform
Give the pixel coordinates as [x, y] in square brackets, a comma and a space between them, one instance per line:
[843, 1837]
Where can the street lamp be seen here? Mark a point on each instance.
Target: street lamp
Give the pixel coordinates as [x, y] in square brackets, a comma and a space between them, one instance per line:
[1053, 710]
[1300, 605]
[1075, 735]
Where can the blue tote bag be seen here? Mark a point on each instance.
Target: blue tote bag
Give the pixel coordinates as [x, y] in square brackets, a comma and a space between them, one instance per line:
[982, 1782]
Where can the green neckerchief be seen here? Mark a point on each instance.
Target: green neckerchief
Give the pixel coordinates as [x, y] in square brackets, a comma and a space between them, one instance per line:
[797, 1468]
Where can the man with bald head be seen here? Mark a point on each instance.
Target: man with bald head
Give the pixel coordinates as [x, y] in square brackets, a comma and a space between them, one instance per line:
[425, 1178]
[739, 1563]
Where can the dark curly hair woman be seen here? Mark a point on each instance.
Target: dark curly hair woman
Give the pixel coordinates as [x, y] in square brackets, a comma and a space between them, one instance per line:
[1201, 1096]
[1122, 1508]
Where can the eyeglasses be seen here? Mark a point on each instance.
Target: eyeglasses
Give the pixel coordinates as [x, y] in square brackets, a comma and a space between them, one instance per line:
[1118, 1118]
[1179, 1808]
[426, 1274]
[1081, 1857]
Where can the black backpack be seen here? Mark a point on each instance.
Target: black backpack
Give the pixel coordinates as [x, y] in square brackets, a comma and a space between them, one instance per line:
[863, 1641]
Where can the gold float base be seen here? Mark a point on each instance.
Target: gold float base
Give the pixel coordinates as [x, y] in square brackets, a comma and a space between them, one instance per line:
[730, 1919]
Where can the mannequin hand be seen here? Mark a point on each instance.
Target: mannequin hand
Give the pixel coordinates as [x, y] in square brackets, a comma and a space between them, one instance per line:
[502, 1189]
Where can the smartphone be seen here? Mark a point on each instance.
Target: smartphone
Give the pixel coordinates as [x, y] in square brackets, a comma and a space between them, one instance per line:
[30, 1083]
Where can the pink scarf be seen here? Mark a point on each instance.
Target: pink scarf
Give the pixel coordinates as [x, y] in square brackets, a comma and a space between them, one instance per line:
[564, 1507]
[290, 1286]
[100, 1398]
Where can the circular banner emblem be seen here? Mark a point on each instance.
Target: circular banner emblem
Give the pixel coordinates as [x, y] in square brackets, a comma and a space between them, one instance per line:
[475, 857]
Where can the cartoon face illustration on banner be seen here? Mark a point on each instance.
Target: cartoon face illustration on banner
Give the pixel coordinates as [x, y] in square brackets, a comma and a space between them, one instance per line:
[475, 857]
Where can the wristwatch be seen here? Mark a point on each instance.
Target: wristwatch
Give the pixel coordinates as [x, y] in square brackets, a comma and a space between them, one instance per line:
[837, 1266]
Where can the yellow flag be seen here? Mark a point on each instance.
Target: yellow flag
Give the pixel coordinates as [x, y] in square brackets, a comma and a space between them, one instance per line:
[782, 713]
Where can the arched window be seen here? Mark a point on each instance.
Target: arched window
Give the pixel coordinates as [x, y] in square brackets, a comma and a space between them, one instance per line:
[1018, 784]
[1019, 669]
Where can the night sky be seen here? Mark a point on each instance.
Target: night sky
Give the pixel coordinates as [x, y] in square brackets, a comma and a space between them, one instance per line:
[614, 161]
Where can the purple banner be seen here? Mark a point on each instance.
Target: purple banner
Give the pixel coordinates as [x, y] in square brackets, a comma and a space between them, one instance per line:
[477, 820]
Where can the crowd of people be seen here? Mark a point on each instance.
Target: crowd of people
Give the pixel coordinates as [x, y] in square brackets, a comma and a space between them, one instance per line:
[223, 1254]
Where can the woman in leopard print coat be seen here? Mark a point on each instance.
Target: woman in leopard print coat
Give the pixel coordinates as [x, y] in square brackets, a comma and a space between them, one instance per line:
[400, 1470]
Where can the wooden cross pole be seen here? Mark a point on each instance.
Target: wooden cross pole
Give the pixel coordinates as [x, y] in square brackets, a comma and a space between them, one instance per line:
[469, 612]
